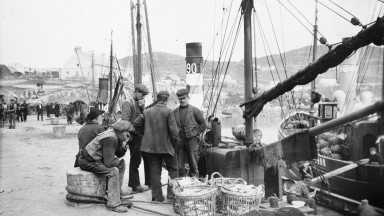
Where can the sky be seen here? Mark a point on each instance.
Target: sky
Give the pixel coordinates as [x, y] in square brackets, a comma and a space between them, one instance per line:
[44, 33]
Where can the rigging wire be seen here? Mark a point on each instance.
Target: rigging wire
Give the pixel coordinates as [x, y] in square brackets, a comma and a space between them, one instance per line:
[333, 11]
[272, 59]
[299, 20]
[277, 43]
[211, 88]
[281, 57]
[261, 32]
[222, 47]
[342, 8]
[81, 68]
[230, 56]
[304, 17]
[282, 33]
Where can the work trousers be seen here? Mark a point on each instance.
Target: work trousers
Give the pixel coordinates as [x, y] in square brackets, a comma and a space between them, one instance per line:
[25, 113]
[40, 114]
[69, 119]
[19, 115]
[115, 177]
[308, 201]
[156, 161]
[12, 120]
[134, 163]
[188, 148]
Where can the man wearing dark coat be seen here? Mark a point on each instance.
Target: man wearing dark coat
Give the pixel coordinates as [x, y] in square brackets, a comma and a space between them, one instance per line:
[130, 110]
[48, 107]
[24, 111]
[12, 108]
[90, 129]
[191, 123]
[57, 109]
[160, 138]
[39, 110]
[19, 113]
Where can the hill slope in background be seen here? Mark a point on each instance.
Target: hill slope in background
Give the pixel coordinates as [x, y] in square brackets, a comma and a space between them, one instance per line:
[166, 63]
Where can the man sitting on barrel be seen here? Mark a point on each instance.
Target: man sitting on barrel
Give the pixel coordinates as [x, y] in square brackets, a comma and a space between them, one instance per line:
[103, 156]
[300, 191]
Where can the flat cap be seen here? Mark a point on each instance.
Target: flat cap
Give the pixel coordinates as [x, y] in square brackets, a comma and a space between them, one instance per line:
[94, 113]
[123, 125]
[182, 92]
[141, 88]
[163, 93]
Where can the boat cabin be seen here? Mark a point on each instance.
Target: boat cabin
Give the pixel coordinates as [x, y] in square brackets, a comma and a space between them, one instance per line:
[327, 111]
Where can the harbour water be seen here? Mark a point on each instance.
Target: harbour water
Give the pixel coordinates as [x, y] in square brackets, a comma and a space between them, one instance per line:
[268, 124]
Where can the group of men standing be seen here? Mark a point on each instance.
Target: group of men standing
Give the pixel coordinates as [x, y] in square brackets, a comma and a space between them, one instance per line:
[14, 111]
[157, 134]
[53, 108]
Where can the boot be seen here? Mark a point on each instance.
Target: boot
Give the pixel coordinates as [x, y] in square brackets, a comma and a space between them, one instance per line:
[169, 193]
[118, 209]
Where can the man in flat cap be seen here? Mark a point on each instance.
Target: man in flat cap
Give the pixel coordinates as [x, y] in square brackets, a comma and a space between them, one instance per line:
[130, 110]
[160, 137]
[90, 129]
[191, 123]
[103, 156]
[12, 108]
[39, 110]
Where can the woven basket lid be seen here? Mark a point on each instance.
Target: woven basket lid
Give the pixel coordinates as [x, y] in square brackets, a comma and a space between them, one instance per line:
[194, 191]
[244, 190]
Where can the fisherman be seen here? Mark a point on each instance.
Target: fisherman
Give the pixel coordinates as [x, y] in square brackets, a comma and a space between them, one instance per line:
[130, 110]
[90, 129]
[19, 113]
[159, 142]
[375, 158]
[24, 111]
[305, 169]
[102, 156]
[300, 191]
[56, 109]
[49, 109]
[5, 108]
[191, 123]
[70, 110]
[39, 110]
[12, 114]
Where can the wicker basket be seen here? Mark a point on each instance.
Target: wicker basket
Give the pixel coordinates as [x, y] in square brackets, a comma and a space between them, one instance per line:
[220, 181]
[195, 200]
[237, 201]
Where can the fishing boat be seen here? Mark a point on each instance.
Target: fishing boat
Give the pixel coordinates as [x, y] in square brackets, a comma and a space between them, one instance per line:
[350, 182]
[338, 148]
[349, 136]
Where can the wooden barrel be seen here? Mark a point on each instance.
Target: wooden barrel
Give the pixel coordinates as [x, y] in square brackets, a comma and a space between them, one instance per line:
[85, 184]
[59, 131]
[54, 121]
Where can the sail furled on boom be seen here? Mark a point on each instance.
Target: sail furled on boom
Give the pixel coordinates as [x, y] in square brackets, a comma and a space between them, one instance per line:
[373, 34]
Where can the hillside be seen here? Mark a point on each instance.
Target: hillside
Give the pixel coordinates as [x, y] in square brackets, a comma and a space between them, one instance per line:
[166, 63]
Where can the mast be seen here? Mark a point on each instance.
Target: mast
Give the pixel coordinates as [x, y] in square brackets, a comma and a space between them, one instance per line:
[313, 83]
[151, 64]
[134, 54]
[382, 78]
[382, 84]
[110, 71]
[138, 78]
[247, 6]
[93, 69]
